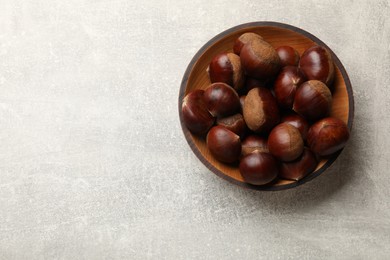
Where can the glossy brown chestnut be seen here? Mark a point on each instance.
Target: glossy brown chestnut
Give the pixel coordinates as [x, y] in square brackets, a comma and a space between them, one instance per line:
[196, 117]
[221, 100]
[226, 68]
[327, 136]
[254, 143]
[260, 60]
[223, 144]
[234, 123]
[286, 84]
[285, 142]
[317, 63]
[299, 168]
[243, 39]
[313, 100]
[288, 56]
[261, 112]
[258, 168]
[299, 122]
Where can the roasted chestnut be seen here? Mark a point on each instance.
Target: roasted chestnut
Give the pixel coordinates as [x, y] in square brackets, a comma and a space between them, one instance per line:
[288, 56]
[299, 168]
[260, 60]
[254, 143]
[285, 142]
[226, 68]
[196, 117]
[317, 63]
[223, 144]
[299, 122]
[313, 100]
[327, 136]
[234, 123]
[261, 112]
[258, 168]
[243, 39]
[286, 85]
[221, 100]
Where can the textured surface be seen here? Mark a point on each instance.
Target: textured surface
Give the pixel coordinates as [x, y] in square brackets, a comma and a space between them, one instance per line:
[93, 163]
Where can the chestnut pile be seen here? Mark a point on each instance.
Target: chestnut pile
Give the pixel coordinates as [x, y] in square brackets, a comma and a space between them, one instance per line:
[267, 110]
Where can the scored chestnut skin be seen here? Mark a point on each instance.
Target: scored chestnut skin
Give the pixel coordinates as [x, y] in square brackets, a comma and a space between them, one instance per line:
[260, 60]
[313, 100]
[299, 168]
[299, 122]
[286, 84]
[221, 100]
[226, 68]
[261, 112]
[288, 56]
[285, 142]
[234, 123]
[258, 168]
[196, 117]
[243, 39]
[223, 144]
[254, 143]
[317, 63]
[327, 136]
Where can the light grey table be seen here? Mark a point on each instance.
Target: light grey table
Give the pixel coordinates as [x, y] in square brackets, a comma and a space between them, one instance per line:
[93, 162]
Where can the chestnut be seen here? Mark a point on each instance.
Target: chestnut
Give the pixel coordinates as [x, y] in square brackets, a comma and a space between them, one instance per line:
[286, 84]
[313, 100]
[317, 63]
[260, 60]
[226, 68]
[243, 39]
[221, 100]
[223, 144]
[254, 143]
[327, 136]
[261, 112]
[234, 123]
[299, 122]
[288, 56]
[258, 168]
[285, 142]
[196, 117]
[299, 168]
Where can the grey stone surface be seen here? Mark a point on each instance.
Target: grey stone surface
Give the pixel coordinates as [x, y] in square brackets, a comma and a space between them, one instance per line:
[93, 163]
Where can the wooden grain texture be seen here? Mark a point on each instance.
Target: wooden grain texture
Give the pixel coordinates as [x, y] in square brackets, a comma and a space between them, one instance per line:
[277, 35]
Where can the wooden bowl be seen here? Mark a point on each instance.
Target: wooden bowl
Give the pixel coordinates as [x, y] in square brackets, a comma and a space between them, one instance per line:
[277, 34]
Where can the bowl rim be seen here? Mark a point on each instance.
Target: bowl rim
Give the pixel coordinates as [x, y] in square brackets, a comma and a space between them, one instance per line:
[187, 134]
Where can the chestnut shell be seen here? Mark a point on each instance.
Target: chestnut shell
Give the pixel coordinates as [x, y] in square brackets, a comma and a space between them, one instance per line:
[317, 63]
[243, 39]
[261, 112]
[286, 84]
[234, 123]
[196, 117]
[258, 168]
[226, 68]
[313, 100]
[327, 136]
[299, 168]
[260, 60]
[223, 144]
[299, 122]
[288, 56]
[254, 143]
[221, 100]
[285, 142]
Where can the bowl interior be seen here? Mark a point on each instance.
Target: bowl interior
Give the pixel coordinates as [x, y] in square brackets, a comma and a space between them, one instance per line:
[277, 35]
